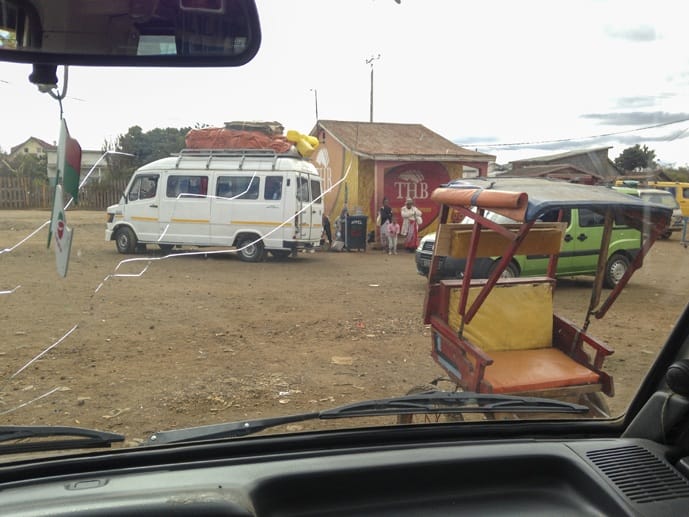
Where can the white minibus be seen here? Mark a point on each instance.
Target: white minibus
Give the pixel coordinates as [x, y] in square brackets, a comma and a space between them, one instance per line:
[254, 200]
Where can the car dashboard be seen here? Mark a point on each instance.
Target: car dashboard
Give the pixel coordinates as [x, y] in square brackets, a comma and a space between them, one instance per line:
[615, 476]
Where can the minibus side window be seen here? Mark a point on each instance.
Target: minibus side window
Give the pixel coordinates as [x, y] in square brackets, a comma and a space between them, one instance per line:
[302, 190]
[273, 187]
[316, 190]
[237, 187]
[187, 187]
[144, 187]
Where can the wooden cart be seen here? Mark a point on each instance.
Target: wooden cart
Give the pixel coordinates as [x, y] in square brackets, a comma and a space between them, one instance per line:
[502, 335]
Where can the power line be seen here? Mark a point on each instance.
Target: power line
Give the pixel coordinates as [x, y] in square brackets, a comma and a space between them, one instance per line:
[535, 142]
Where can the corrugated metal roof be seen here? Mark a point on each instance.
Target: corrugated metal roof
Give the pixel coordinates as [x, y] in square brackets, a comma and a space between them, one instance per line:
[544, 170]
[560, 156]
[594, 161]
[382, 140]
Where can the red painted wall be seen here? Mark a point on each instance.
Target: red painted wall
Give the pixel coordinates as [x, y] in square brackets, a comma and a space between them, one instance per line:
[417, 181]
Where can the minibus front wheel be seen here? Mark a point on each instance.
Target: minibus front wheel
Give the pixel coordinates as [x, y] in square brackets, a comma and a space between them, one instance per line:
[125, 240]
[250, 249]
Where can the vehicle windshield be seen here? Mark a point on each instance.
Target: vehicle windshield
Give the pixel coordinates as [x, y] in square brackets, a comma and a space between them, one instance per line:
[662, 199]
[241, 243]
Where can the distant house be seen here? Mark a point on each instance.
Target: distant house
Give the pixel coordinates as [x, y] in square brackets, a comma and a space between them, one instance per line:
[646, 176]
[89, 159]
[591, 166]
[38, 147]
[31, 145]
[367, 161]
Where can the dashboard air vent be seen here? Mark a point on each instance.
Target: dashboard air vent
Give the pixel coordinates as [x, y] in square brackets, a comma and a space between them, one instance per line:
[640, 475]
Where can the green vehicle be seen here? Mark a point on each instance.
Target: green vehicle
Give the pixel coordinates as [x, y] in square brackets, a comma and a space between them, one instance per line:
[580, 248]
[578, 255]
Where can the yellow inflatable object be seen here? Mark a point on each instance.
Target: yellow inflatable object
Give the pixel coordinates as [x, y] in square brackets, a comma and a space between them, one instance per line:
[306, 144]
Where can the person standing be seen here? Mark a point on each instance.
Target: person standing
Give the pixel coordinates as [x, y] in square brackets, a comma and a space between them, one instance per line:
[384, 218]
[393, 232]
[327, 232]
[340, 228]
[411, 220]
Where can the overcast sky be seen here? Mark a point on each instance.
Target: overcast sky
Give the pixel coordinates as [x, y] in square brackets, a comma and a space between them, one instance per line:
[541, 76]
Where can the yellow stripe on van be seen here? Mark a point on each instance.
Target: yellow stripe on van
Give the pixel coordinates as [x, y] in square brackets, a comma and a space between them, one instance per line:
[192, 221]
[257, 223]
[276, 223]
[139, 218]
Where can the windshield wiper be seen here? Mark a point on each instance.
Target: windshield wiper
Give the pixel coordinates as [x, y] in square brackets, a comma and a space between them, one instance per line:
[46, 434]
[426, 402]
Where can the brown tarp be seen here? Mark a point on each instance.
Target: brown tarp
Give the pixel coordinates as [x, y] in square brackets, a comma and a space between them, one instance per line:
[223, 138]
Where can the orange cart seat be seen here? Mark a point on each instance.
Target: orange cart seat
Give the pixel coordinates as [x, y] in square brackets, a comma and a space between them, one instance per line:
[531, 370]
[514, 326]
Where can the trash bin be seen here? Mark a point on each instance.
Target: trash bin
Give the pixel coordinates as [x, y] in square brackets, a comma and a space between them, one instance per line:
[355, 232]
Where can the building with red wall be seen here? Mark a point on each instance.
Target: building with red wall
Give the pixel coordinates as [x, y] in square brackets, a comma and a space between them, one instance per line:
[363, 162]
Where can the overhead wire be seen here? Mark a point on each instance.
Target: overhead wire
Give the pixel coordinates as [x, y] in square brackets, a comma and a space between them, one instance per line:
[575, 139]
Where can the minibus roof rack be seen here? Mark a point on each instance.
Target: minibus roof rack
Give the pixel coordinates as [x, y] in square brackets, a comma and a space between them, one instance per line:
[233, 153]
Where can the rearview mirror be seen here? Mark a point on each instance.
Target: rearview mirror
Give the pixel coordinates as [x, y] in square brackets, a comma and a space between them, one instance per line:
[129, 32]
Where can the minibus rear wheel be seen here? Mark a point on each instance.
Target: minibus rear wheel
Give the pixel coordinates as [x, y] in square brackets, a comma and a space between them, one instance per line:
[250, 251]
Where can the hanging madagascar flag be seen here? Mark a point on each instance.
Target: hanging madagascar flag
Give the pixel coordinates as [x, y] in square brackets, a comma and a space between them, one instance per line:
[68, 169]
[69, 162]
[63, 234]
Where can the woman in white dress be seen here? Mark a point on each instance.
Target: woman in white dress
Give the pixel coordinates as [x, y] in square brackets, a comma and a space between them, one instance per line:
[411, 219]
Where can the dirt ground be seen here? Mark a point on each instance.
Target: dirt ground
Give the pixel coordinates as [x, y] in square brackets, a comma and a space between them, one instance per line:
[198, 340]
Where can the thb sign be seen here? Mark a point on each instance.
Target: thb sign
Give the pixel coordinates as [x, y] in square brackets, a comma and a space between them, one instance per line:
[416, 181]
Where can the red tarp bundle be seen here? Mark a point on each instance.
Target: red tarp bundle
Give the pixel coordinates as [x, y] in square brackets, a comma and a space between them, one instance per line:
[223, 138]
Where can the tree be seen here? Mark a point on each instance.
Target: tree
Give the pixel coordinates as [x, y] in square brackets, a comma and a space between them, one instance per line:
[151, 145]
[25, 165]
[5, 169]
[145, 146]
[636, 158]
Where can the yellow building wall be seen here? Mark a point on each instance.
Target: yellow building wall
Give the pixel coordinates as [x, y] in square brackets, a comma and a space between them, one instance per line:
[347, 190]
[366, 192]
[339, 169]
[455, 170]
[348, 178]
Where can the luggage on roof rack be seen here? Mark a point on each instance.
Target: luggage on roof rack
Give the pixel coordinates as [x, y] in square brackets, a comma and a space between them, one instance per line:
[235, 153]
[268, 128]
[224, 138]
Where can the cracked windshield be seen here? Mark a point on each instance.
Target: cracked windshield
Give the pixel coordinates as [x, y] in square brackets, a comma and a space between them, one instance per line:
[391, 198]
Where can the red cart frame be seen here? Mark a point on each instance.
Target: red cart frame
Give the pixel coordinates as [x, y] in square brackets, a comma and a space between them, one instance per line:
[501, 335]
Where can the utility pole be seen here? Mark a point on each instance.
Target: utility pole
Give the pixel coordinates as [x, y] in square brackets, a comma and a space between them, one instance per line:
[315, 98]
[370, 61]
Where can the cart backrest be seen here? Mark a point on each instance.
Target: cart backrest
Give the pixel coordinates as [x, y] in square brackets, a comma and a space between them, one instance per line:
[453, 239]
[514, 316]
